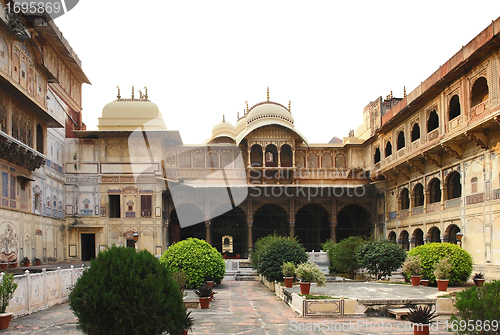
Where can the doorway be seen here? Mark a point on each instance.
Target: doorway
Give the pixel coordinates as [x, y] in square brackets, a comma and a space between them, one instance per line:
[88, 246]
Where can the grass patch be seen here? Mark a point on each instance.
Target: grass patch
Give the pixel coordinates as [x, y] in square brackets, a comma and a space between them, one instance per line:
[311, 296]
[449, 295]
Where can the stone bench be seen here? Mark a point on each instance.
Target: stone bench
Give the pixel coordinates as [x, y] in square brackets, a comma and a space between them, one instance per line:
[398, 312]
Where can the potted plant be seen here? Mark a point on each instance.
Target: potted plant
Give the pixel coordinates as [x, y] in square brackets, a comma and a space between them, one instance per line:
[424, 281]
[412, 266]
[209, 280]
[25, 261]
[37, 261]
[307, 273]
[7, 289]
[13, 263]
[187, 324]
[288, 270]
[204, 293]
[442, 270]
[421, 318]
[478, 279]
[3, 264]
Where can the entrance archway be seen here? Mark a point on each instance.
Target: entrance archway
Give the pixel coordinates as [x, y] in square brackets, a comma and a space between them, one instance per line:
[353, 220]
[269, 219]
[178, 233]
[230, 227]
[312, 226]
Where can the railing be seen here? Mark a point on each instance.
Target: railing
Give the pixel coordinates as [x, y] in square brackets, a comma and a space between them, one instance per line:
[474, 199]
[404, 213]
[435, 206]
[452, 203]
[130, 214]
[146, 213]
[38, 291]
[418, 210]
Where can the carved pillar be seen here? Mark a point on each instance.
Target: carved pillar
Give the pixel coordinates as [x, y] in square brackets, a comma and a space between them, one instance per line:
[444, 195]
[333, 221]
[250, 239]
[292, 229]
[208, 223]
[427, 199]
[279, 157]
[412, 204]
[167, 235]
[249, 163]
[333, 232]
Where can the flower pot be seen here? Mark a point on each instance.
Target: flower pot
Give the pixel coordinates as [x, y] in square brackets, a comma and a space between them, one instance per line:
[210, 283]
[288, 282]
[184, 332]
[407, 280]
[5, 320]
[305, 288]
[13, 265]
[27, 264]
[424, 282]
[38, 262]
[479, 282]
[204, 303]
[415, 280]
[4, 265]
[442, 284]
[420, 329]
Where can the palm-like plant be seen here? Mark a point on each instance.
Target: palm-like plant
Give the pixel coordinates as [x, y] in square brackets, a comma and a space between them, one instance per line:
[421, 315]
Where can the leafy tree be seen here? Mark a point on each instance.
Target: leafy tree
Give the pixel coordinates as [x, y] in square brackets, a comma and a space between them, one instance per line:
[197, 259]
[380, 258]
[343, 256]
[127, 292]
[258, 247]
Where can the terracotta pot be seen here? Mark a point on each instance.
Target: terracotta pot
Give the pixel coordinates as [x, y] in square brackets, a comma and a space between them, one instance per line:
[288, 282]
[210, 283]
[38, 262]
[13, 265]
[407, 280]
[479, 282]
[4, 265]
[424, 282]
[415, 280]
[420, 329]
[184, 332]
[204, 303]
[5, 320]
[27, 264]
[305, 288]
[442, 284]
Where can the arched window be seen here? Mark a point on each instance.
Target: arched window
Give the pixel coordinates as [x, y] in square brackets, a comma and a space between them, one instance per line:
[199, 160]
[479, 91]
[405, 199]
[312, 161]
[419, 195]
[271, 156]
[401, 140]
[286, 156]
[392, 237]
[415, 132]
[213, 159]
[340, 161]
[418, 235]
[454, 186]
[376, 156]
[435, 235]
[39, 138]
[326, 161]
[226, 160]
[454, 107]
[256, 156]
[299, 160]
[388, 149]
[433, 121]
[435, 190]
[405, 242]
[185, 160]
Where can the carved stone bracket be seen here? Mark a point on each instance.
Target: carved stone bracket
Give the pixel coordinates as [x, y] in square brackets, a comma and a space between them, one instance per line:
[497, 119]
[403, 172]
[478, 138]
[454, 150]
[434, 159]
[417, 166]
[19, 154]
[390, 178]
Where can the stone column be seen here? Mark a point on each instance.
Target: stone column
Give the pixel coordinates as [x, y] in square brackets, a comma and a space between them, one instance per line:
[292, 229]
[444, 195]
[208, 223]
[412, 204]
[333, 232]
[427, 199]
[279, 157]
[167, 235]
[250, 239]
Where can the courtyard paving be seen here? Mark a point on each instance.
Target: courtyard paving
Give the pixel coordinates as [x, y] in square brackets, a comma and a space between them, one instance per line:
[241, 307]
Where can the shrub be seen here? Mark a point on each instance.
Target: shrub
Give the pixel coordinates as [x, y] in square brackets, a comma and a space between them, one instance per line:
[310, 272]
[480, 304]
[7, 288]
[127, 292]
[288, 269]
[279, 250]
[258, 247]
[197, 259]
[342, 255]
[442, 269]
[380, 258]
[460, 259]
[412, 266]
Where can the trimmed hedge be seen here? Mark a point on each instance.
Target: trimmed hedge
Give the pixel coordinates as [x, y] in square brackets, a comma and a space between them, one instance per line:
[380, 258]
[127, 292]
[278, 250]
[197, 259]
[342, 255]
[481, 304]
[430, 253]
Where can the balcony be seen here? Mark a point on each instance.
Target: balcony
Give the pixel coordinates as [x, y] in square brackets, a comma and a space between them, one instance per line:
[418, 210]
[435, 206]
[19, 153]
[452, 203]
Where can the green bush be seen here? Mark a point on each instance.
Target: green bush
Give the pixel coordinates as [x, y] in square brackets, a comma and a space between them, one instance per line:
[127, 292]
[342, 255]
[380, 258]
[430, 253]
[309, 272]
[480, 304]
[258, 247]
[279, 250]
[197, 259]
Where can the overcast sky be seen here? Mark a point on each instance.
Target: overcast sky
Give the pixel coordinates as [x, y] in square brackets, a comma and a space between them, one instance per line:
[203, 59]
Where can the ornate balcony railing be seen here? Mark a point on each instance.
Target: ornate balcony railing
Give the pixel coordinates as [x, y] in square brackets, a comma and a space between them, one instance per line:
[19, 153]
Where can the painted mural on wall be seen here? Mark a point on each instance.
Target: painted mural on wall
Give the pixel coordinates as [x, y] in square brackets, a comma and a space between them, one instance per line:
[9, 247]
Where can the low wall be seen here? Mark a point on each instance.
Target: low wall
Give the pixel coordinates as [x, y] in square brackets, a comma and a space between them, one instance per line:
[38, 291]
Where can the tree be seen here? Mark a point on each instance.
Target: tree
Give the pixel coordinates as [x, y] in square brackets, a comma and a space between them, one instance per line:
[380, 258]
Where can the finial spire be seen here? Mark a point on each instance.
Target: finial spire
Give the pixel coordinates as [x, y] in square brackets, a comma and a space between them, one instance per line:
[223, 118]
[391, 94]
[140, 94]
[290, 106]
[146, 94]
[118, 96]
[404, 91]
[132, 91]
[238, 115]
[268, 93]
[247, 106]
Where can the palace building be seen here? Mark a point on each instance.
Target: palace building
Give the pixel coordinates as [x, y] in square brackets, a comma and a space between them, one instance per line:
[421, 168]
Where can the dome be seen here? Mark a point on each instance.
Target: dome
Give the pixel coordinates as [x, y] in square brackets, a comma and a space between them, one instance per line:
[223, 129]
[130, 114]
[269, 110]
[240, 125]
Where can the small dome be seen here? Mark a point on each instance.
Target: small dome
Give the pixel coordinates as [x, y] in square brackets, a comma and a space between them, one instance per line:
[130, 114]
[223, 129]
[240, 125]
[269, 110]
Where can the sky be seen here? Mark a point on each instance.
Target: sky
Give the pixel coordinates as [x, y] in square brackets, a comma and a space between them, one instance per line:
[203, 59]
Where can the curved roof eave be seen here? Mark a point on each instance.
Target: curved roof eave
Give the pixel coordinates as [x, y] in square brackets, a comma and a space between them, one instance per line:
[224, 135]
[263, 123]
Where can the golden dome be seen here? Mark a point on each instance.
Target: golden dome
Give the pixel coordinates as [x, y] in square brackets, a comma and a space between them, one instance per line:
[130, 114]
[269, 110]
[223, 129]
